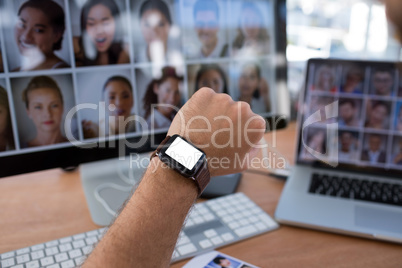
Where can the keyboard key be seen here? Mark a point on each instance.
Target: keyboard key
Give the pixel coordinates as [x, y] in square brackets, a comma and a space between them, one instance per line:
[37, 247]
[7, 263]
[18, 266]
[61, 257]
[210, 233]
[23, 251]
[32, 264]
[65, 240]
[208, 216]
[244, 222]
[198, 220]
[227, 237]
[75, 253]
[91, 240]
[261, 226]
[86, 250]
[234, 225]
[65, 247]
[79, 244]
[205, 243]
[79, 261]
[189, 223]
[68, 264]
[56, 265]
[7, 255]
[92, 233]
[52, 244]
[228, 219]
[51, 251]
[217, 240]
[186, 249]
[246, 230]
[46, 261]
[79, 237]
[221, 213]
[37, 254]
[183, 240]
[267, 220]
[23, 258]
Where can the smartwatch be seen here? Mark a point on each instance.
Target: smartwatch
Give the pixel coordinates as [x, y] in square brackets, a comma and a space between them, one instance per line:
[186, 159]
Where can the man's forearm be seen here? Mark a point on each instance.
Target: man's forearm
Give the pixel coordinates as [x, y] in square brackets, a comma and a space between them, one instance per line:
[144, 234]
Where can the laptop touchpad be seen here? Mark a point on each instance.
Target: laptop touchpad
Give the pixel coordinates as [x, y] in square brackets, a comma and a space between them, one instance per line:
[378, 219]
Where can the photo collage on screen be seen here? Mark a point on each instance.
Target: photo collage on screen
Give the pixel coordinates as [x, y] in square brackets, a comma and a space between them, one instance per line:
[126, 66]
[368, 101]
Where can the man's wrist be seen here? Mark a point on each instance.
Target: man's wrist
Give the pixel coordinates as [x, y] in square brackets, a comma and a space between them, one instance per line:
[170, 180]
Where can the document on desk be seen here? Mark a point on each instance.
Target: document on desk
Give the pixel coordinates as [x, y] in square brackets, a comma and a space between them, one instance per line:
[215, 259]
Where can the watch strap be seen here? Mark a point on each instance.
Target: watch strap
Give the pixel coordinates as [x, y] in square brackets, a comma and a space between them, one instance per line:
[201, 178]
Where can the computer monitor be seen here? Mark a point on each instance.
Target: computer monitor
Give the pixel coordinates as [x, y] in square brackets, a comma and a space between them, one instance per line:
[82, 81]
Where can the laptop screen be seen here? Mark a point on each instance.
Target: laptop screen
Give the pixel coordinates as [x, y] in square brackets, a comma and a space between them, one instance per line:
[351, 116]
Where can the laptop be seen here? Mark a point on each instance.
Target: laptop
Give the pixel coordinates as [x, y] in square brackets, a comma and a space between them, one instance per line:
[348, 172]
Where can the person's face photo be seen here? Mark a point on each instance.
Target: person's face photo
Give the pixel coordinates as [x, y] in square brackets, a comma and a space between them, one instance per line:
[378, 115]
[249, 81]
[212, 79]
[34, 34]
[325, 79]
[207, 27]
[251, 24]
[38, 32]
[348, 146]
[119, 95]
[348, 112]
[168, 93]
[101, 27]
[346, 139]
[41, 104]
[111, 89]
[374, 148]
[45, 109]
[353, 81]
[155, 27]
[382, 83]
[319, 103]
[223, 262]
[374, 143]
[213, 76]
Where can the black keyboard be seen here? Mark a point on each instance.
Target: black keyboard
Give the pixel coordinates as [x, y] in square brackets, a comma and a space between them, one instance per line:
[358, 189]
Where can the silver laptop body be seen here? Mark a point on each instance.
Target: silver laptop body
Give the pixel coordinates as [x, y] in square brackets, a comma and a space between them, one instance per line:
[348, 173]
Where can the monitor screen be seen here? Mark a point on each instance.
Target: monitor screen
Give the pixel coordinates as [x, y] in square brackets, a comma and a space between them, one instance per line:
[87, 80]
[351, 116]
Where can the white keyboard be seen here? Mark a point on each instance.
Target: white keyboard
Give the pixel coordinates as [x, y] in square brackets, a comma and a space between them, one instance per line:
[209, 225]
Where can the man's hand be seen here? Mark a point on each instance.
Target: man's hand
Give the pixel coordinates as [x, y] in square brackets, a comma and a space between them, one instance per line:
[227, 131]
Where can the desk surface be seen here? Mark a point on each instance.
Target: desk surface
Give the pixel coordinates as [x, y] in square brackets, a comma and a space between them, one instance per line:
[48, 205]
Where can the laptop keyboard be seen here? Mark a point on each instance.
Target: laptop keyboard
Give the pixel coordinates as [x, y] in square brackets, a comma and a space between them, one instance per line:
[358, 189]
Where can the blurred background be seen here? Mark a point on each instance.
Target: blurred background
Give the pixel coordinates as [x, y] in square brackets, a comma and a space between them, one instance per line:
[348, 29]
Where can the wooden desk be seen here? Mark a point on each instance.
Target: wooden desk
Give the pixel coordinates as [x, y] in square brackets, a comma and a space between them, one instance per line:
[48, 205]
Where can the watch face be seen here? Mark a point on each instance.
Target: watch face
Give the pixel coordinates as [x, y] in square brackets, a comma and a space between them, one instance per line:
[182, 156]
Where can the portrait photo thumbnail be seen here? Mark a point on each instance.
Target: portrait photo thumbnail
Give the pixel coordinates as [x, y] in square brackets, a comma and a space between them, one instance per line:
[41, 104]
